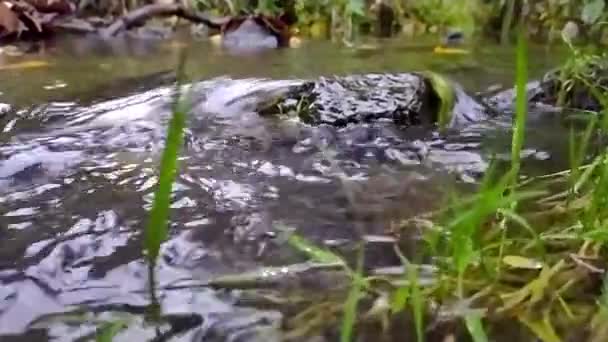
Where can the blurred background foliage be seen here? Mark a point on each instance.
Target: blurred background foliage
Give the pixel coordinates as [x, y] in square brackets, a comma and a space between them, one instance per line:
[545, 20]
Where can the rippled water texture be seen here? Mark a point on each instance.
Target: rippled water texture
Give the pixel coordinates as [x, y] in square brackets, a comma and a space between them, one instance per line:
[78, 155]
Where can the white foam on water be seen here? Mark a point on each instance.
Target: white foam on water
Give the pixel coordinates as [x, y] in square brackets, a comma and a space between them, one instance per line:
[232, 97]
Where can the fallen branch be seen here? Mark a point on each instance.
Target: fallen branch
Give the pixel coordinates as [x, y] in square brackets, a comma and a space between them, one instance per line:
[147, 12]
[74, 25]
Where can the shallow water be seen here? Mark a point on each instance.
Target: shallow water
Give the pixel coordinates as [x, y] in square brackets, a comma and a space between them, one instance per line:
[80, 146]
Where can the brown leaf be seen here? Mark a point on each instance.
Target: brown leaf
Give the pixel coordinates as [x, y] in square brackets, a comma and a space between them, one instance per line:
[9, 22]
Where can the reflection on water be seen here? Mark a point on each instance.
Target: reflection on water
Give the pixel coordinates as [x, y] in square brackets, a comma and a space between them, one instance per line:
[78, 169]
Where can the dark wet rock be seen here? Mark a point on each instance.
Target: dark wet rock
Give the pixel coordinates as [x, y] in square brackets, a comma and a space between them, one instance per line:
[243, 325]
[545, 93]
[249, 35]
[578, 92]
[503, 100]
[254, 33]
[407, 99]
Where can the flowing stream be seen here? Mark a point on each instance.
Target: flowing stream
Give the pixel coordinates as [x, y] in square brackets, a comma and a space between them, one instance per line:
[79, 148]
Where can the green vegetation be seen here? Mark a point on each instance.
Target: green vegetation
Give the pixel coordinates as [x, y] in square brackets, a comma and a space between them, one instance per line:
[107, 331]
[528, 251]
[544, 19]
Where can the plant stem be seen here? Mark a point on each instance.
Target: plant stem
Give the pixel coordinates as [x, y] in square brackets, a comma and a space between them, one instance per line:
[507, 21]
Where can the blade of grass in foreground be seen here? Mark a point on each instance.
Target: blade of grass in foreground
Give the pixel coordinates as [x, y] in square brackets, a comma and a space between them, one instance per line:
[156, 231]
[519, 129]
[314, 252]
[352, 301]
[521, 103]
[417, 303]
[475, 327]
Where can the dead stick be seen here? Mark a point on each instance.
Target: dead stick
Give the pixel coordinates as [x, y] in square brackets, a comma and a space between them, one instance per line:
[157, 10]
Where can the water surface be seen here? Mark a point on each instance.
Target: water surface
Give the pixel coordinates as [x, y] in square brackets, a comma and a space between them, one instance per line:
[79, 150]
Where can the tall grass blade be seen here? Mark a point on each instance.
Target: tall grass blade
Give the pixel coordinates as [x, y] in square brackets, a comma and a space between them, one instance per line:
[577, 155]
[417, 303]
[412, 293]
[521, 103]
[352, 301]
[157, 230]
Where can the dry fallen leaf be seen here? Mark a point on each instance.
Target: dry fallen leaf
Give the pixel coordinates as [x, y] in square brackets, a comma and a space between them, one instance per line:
[517, 261]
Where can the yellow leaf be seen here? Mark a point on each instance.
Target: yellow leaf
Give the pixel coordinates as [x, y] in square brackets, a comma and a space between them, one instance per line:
[25, 65]
[517, 261]
[450, 51]
[541, 328]
[533, 292]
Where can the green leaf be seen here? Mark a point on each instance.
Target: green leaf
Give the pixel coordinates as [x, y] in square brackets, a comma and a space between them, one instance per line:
[314, 252]
[592, 11]
[399, 299]
[475, 327]
[108, 331]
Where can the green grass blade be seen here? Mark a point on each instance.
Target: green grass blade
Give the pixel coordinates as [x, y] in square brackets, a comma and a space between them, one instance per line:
[475, 327]
[352, 301]
[157, 229]
[577, 155]
[312, 251]
[417, 303]
[521, 103]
